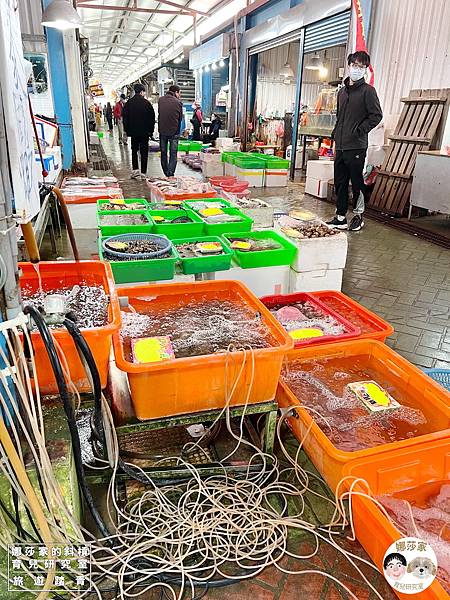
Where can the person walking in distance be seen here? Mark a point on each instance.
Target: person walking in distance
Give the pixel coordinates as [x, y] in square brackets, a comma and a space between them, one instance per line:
[170, 116]
[138, 119]
[109, 116]
[358, 112]
[118, 109]
[197, 120]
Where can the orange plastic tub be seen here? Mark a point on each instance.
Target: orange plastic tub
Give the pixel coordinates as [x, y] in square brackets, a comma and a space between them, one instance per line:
[371, 325]
[193, 384]
[67, 274]
[419, 390]
[402, 473]
[167, 196]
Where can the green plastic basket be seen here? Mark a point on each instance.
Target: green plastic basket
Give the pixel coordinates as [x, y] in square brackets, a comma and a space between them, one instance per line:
[189, 203]
[249, 163]
[263, 258]
[275, 163]
[205, 264]
[108, 230]
[136, 271]
[183, 146]
[102, 203]
[245, 224]
[177, 230]
[195, 146]
[229, 156]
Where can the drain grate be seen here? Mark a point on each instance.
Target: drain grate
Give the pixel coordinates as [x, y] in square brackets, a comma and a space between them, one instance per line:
[99, 160]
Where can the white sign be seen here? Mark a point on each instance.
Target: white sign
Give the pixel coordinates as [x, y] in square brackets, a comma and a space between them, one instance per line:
[13, 84]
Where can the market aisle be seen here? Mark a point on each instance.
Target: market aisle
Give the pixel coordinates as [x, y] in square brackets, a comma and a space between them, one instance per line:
[404, 279]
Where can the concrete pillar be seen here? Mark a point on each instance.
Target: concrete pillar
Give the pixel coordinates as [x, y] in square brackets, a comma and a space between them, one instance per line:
[76, 95]
[60, 91]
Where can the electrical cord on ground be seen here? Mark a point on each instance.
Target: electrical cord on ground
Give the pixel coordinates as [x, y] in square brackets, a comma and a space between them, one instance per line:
[70, 415]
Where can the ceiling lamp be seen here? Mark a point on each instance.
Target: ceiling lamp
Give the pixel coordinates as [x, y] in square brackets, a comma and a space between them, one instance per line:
[315, 63]
[60, 14]
[178, 59]
[221, 63]
[214, 66]
[323, 72]
[287, 71]
[206, 68]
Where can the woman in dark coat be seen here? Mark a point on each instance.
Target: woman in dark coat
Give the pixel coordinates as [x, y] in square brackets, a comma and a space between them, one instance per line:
[196, 121]
[214, 128]
[109, 116]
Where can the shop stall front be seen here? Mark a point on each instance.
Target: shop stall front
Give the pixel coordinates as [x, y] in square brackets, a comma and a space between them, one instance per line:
[211, 64]
[292, 65]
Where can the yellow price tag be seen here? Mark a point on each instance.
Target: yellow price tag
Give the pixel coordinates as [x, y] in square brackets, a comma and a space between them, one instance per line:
[118, 201]
[173, 202]
[239, 245]
[152, 349]
[211, 212]
[305, 333]
[158, 219]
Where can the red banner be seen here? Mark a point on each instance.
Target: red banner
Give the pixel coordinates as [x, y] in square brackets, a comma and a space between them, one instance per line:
[359, 36]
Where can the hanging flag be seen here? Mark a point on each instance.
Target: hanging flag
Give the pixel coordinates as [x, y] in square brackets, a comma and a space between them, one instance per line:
[358, 36]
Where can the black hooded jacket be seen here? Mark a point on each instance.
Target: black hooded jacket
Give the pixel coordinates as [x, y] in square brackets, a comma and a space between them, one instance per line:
[358, 112]
[138, 117]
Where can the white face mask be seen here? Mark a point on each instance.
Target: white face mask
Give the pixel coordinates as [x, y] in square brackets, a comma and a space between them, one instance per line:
[357, 73]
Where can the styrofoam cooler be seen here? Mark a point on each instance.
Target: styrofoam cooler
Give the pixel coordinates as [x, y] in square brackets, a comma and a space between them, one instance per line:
[209, 157]
[276, 177]
[319, 254]
[255, 177]
[320, 169]
[83, 215]
[212, 169]
[315, 281]
[262, 281]
[230, 169]
[316, 187]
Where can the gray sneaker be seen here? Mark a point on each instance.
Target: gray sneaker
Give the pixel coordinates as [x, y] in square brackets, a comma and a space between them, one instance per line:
[135, 174]
[356, 224]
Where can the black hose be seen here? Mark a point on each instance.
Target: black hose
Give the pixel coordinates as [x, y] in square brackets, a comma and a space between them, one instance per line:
[86, 355]
[70, 415]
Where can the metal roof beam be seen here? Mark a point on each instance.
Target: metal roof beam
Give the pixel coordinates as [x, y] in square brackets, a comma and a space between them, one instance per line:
[135, 8]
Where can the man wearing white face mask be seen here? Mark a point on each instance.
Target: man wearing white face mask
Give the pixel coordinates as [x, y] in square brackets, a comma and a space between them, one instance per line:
[358, 112]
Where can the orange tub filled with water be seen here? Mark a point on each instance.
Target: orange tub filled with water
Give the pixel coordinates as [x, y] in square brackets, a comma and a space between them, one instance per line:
[413, 481]
[195, 323]
[363, 399]
[62, 277]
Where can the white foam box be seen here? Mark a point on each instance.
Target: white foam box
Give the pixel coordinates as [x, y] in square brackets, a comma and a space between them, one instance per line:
[212, 169]
[208, 157]
[255, 177]
[83, 215]
[320, 169]
[224, 142]
[262, 281]
[319, 254]
[316, 187]
[276, 178]
[315, 281]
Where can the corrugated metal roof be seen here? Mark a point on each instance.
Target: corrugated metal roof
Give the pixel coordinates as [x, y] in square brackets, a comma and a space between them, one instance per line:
[30, 13]
[409, 44]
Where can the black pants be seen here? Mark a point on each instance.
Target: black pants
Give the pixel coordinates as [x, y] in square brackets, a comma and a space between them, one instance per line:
[196, 135]
[110, 123]
[139, 145]
[169, 166]
[349, 166]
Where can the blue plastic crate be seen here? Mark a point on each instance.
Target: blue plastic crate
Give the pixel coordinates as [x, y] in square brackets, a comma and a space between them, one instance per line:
[442, 376]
